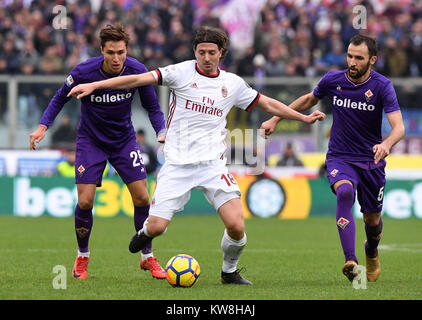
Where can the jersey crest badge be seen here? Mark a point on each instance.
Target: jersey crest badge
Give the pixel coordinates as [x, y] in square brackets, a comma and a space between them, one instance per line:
[342, 222]
[368, 94]
[82, 232]
[69, 80]
[81, 170]
[224, 91]
[334, 172]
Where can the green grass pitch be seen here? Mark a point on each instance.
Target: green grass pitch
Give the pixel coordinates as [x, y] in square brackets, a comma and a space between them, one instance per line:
[285, 259]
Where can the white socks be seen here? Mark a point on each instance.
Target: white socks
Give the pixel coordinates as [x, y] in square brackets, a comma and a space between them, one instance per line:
[83, 254]
[232, 249]
[145, 256]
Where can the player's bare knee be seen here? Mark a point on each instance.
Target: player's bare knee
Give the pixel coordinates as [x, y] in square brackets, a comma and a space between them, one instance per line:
[236, 231]
[156, 227]
[372, 219]
[86, 203]
[141, 200]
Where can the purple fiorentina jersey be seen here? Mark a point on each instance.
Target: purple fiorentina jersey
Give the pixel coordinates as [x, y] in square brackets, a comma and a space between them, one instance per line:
[106, 114]
[357, 113]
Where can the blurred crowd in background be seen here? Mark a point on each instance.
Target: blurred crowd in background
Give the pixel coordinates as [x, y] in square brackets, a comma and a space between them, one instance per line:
[291, 38]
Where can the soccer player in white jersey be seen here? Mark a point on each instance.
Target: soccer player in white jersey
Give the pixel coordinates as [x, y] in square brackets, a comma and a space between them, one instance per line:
[201, 97]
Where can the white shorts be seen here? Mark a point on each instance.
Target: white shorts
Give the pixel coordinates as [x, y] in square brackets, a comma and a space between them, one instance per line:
[175, 183]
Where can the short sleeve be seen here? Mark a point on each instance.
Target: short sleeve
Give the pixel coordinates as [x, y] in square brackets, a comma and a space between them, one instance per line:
[389, 99]
[246, 97]
[169, 76]
[320, 90]
[73, 78]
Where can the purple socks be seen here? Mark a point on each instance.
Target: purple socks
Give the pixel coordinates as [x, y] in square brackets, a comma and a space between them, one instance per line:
[373, 237]
[84, 221]
[345, 221]
[140, 215]
[83, 226]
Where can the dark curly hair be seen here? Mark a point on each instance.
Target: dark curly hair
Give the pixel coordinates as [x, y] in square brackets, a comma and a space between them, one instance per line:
[113, 33]
[213, 35]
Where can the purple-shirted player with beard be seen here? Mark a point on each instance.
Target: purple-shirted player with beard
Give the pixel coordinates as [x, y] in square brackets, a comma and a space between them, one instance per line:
[105, 132]
[356, 151]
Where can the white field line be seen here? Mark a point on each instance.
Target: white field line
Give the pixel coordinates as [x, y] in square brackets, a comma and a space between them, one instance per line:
[404, 247]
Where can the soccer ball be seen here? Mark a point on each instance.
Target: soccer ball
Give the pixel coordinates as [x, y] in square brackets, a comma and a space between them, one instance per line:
[182, 270]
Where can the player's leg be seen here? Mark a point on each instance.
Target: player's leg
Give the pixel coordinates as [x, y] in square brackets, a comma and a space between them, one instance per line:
[221, 190]
[83, 216]
[140, 197]
[83, 227]
[233, 241]
[153, 227]
[343, 180]
[373, 230]
[129, 165]
[370, 196]
[90, 162]
[172, 192]
[345, 222]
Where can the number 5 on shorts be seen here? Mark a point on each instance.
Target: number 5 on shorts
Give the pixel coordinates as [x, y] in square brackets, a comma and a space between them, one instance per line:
[381, 194]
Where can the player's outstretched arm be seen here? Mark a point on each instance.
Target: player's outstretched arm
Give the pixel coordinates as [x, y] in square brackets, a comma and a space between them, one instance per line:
[37, 136]
[123, 82]
[382, 150]
[302, 103]
[281, 111]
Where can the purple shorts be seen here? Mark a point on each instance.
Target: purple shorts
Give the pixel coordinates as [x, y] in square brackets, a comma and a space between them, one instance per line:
[91, 160]
[369, 184]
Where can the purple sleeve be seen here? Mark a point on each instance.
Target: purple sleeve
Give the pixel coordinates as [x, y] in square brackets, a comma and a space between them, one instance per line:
[150, 103]
[60, 98]
[389, 99]
[320, 90]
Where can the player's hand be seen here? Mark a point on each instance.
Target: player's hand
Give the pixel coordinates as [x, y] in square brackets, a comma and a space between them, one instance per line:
[81, 90]
[268, 127]
[37, 136]
[380, 152]
[161, 138]
[314, 116]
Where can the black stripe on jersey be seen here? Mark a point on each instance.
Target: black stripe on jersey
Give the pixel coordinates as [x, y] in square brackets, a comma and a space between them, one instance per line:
[160, 77]
[172, 107]
[253, 103]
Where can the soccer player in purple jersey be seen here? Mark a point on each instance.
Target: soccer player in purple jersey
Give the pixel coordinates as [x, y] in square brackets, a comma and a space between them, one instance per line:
[105, 132]
[356, 151]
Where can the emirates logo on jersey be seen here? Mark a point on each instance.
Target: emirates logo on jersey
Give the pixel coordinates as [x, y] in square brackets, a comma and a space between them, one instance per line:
[224, 91]
[207, 107]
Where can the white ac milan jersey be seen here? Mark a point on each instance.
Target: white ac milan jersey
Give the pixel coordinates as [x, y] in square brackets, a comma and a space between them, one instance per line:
[198, 107]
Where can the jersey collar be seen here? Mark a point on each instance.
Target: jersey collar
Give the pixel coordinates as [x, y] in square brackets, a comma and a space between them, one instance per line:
[207, 75]
[110, 75]
[357, 84]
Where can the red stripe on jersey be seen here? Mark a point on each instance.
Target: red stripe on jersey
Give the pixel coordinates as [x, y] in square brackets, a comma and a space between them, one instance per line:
[207, 75]
[160, 77]
[253, 103]
[172, 108]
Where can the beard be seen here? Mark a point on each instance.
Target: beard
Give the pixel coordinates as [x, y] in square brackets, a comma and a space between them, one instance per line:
[359, 73]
